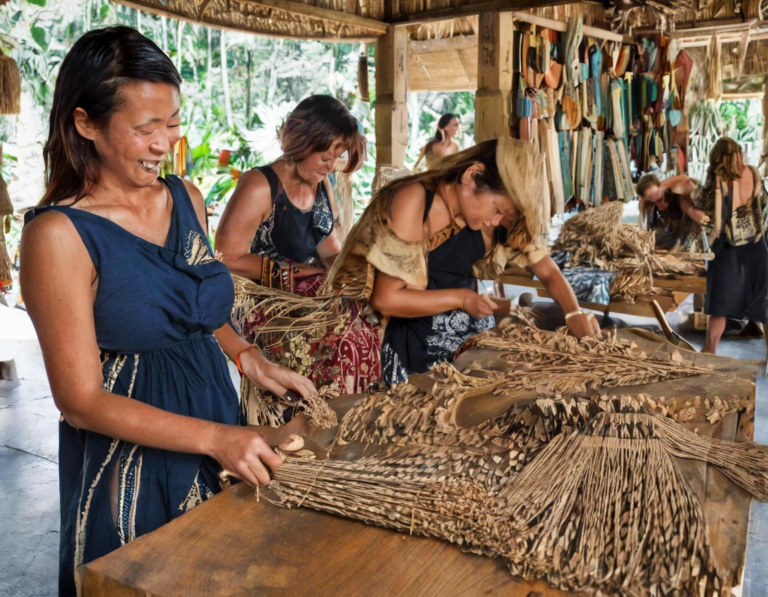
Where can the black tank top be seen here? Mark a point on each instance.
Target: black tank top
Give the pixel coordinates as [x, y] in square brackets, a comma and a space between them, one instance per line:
[413, 345]
[289, 233]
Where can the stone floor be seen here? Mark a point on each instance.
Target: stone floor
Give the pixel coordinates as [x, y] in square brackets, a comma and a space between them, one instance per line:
[29, 533]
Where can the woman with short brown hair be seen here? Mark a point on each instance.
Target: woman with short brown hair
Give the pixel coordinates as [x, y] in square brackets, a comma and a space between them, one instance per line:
[279, 224]
[278, 230]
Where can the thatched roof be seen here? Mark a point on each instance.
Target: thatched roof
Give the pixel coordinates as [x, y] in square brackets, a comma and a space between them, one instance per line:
[330, 20]
[443, 33]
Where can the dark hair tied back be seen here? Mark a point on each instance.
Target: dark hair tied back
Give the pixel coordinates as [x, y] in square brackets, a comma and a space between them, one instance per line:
[91, 75]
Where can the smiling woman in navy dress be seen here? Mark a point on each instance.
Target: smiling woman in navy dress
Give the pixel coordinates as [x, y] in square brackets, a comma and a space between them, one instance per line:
[132, 309]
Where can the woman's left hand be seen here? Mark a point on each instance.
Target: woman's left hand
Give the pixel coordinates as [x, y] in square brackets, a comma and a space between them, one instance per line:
[273, 378]
[584, 326]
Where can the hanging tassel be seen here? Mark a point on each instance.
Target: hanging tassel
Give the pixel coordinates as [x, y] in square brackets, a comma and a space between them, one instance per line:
[6, 210]
[362, 74]
[10, 85]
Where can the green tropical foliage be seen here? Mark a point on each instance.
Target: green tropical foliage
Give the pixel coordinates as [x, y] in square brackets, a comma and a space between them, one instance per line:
[237, 88]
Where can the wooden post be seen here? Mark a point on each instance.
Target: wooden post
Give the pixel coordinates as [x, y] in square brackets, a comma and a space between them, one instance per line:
[493, 99]
[391, 96]
[764, 150]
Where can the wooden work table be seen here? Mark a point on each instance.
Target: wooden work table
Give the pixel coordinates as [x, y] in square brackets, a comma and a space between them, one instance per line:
[674, 292]
[235, 544]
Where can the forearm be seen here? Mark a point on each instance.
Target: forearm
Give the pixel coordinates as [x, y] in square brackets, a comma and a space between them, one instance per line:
[556, 285]
[133, 421]
[686, 205]
[231, 343]
[247, 266]
[410, 302]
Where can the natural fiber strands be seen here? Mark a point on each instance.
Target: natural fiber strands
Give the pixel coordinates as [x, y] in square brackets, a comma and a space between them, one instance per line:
[455, 510]
[10, 85]
[315, 406]
[259, 408]
[597, 238]
[523, 171]
[607, 511]
[744, 463]
[6, 209]
[284, 312]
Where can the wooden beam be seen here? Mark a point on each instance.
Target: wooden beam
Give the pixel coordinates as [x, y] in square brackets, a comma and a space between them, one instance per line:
[326, 14]
[465, 67]
[446, 44]
[391, 97]
[562, 26]
[442, 14]
[494, 76]
[148, 7]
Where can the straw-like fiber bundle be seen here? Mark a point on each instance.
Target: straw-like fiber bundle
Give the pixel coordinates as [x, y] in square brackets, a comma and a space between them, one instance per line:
[10, 85]
[522, 168]
[6, 209]
[609, 510]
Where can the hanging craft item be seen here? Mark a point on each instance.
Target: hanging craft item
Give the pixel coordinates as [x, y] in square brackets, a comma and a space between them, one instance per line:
[179, 162]
[714, 70]
[10, 85]
[6, 211]
[362, 74]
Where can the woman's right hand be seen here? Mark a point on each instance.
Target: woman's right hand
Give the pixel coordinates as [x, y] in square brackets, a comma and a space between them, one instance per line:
[478, 305]
[698, 216]
[245, 454]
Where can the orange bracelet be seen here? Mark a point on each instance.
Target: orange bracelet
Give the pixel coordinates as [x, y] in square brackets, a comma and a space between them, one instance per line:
[239, 354]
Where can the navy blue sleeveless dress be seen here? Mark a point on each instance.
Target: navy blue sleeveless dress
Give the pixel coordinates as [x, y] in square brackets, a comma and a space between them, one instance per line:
[413, 345]
[155, 311]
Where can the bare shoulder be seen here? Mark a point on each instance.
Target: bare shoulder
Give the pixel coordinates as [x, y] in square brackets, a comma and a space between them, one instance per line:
[407, 212]
[198, 201]
[252, 193]
[50, 243]
[50, 228]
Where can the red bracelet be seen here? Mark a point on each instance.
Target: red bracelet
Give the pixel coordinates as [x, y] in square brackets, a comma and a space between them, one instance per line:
[239, 354]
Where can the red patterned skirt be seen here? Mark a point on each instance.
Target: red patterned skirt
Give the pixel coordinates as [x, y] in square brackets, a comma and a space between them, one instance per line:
[350, 356]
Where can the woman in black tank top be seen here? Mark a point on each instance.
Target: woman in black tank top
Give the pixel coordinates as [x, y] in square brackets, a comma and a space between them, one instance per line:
[412, 255]
[281, 216]
[278, 231]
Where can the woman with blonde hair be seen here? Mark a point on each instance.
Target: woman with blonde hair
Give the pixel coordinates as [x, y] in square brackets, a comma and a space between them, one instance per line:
[734, 198]
[423, 241]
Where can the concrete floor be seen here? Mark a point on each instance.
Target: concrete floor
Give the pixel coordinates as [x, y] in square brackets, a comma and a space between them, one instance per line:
[29, 517]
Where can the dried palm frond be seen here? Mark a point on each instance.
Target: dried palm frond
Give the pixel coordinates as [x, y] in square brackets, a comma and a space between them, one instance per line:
[522, 168]
[280, 313]
[260, 408]
[597, 238]
[455, 509]
[10, 85]
[608, 511]
[6, 209]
